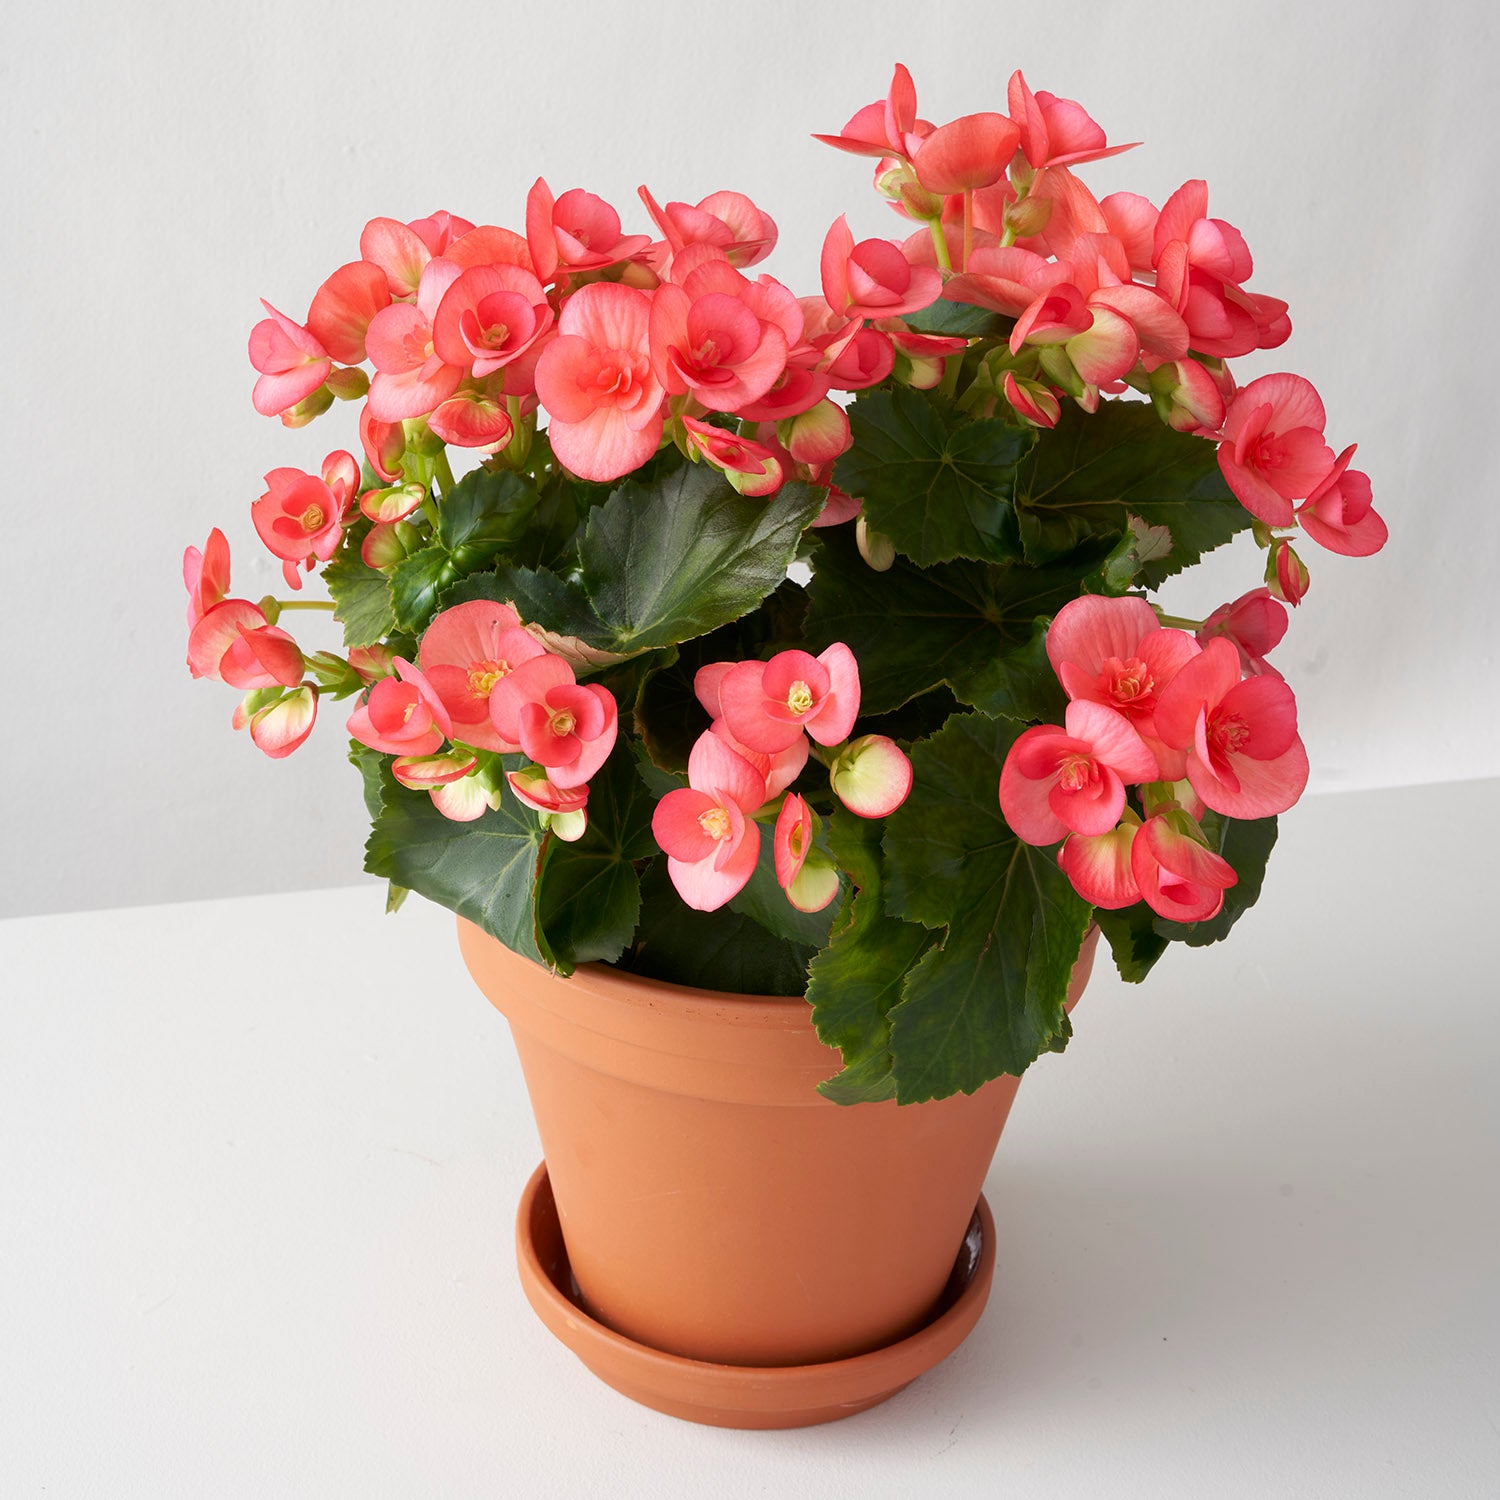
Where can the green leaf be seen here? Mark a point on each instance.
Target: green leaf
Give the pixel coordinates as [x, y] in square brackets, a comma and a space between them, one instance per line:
[369, 763]
[416, 583]
[485, 870]
[1140, 545]
[1134, 942]
[664, 563]
[965, 624]
[484, 514]
[1246, 843]
[937, 484]
[988, 999]
[765, 901]
[959, 320]
[361, 597]
[1092, 473]
[854, 982]
[589, 895]
[540, 598]
[712, 950]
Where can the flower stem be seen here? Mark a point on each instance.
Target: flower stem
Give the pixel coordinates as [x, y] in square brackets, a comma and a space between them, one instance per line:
[940, 244]
[327, 604]
[1177, 622]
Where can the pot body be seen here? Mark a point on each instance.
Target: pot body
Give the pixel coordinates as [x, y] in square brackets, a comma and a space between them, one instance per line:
[713, 1204]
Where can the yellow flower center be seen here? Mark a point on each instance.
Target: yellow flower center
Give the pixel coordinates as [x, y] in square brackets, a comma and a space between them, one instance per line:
[715, 823]
[483, 676]
[799, 699]
[312, 518]
[562, 723]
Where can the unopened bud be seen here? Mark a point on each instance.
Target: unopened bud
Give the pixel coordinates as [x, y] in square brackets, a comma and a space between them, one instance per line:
[1027, 216]
[1286, 573]
[875, 547]
[347, 383]
[308, 407]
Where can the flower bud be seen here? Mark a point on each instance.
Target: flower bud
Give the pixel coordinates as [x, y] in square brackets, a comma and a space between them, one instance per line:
[875, 547]
[307, 408]
[1027, 216]
[347, 384]
[1286, 573]
[871, 776]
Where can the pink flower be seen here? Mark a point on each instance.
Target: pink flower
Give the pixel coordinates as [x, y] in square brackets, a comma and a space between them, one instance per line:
[398, 251]
[729, 222]
[235, 643]
[808, 877]
[577, 232]
[403, 715]
[716, 337]
[279, 727]
[889, 127]
[871, 776]
[1113, 652]
[1186, 397]
[767, 705]
[971, 152]
[411, 377]
[489, 317]
[778, 769]
[300, 516]
[292, 363]
[1032, 401]
[464, 653]
[564, 809]
[566, 726]
[711, 846]
[750, 468]
[1244, 758]
[1273, 450]
[596, 382]
[1338, 515]
[1099, 864]
[343, 308]
[1254, 624]
[474, 416]
[1055, 132]
[1057, 781]
[384, 444]
[1286, 574]
[1180, 879]
[873, 279]
[206, 575]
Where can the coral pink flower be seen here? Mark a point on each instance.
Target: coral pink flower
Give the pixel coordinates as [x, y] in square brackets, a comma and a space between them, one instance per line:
[384, 444]
[779, 770]
[873, 279]
[871, 776]
[1099, 864]
[1338, 515]
[291, 362]
[281, 726]
[206, 575]
[488, 317]
[423, 772]
[596, 382]
[411, 377]
[751, 469]
[1286, 573]
[865, 360]
[967, 153]
[889, 127]
[1132, 221]
[707, 339]
[300, 516]
[711, 846]
[1112, 651]
[729, 222]
[819, 435]
[474, 416]
[343, 308]
[1055, 132]
[1057, 781]
[1186, 397]
[1244, 758]
[398, 251]
[564, 809]
[1180, 879]
[809, 878]
[1273, 450]
[567, 726]
[577, 232]
[465, 651]
[403, 715]
[235, 643]
[767, 705]
[1254, 625]
[1032, 401]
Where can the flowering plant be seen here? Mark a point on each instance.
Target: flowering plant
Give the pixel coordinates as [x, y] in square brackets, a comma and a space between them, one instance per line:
[808, 645]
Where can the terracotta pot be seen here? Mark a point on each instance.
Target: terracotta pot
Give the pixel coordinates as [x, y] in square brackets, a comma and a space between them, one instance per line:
[714, 1206]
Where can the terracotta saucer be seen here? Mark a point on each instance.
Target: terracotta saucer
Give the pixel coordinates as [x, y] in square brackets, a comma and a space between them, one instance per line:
[738, 1395]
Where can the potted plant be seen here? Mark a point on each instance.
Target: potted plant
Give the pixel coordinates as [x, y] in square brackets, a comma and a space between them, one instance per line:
[772, 684]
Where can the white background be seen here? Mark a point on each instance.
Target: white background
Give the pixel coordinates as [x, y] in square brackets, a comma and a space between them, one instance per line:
[166, 165]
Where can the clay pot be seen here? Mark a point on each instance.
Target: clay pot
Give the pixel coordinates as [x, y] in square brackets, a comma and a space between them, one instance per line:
[713, 1206]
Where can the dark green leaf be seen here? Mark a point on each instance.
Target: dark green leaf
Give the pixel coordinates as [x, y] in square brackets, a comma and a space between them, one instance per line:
[988, 999]
[589, 895]
[485, 870]
[965, 624]
[361, 597]
[368, 763]
[674, 560]
[854, 982]
[1246, 843]
[484, 513]
[711, 950]
[539, 597]
[959, 320]
[1091, 473]
[937, 484]
[416, 582]
[765, 901]
[1134, 942]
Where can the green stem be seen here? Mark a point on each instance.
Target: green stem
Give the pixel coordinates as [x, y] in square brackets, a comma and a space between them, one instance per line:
[940, 244]
[442, 472]
[327, 604]
[1177, 622]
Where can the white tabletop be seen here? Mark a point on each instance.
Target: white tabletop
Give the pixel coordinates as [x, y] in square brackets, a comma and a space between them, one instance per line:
[259, 1161]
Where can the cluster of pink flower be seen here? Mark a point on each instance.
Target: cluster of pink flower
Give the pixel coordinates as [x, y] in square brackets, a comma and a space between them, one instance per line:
[1196, 723]
[1109, 294]
[756, 746]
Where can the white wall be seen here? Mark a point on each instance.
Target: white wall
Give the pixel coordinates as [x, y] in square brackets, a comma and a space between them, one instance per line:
[166, 165]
